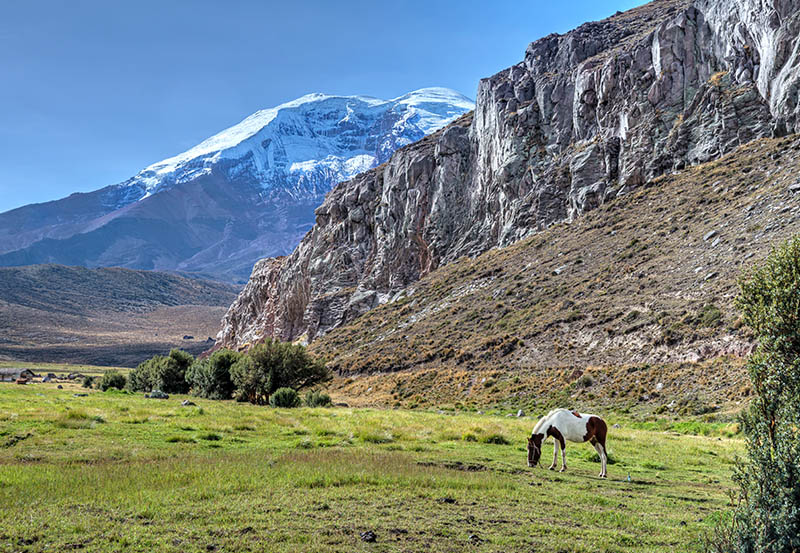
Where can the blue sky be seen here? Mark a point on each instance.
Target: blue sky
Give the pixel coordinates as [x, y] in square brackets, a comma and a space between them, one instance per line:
[93, 91]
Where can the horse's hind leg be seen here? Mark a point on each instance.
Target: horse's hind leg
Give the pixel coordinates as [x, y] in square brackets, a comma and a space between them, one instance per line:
[601, 451]
[555, 455]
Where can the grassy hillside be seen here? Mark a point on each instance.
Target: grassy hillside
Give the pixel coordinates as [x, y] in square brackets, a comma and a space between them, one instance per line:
[113, 471]
[637, 294]
[104, 316]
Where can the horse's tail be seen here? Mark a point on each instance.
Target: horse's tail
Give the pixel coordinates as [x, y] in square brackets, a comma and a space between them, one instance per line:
[600, 431]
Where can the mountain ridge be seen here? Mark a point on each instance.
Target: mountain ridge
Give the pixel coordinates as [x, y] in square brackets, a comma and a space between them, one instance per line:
[246, 192]
[587, 117]
[110, 316]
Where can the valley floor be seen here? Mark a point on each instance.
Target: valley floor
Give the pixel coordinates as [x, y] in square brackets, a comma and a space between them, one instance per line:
[114, 471]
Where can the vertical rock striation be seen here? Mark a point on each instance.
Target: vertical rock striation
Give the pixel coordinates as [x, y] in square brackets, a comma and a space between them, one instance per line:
[586, 117]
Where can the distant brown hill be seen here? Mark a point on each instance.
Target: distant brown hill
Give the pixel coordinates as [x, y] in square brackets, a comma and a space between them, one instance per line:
[108, 316]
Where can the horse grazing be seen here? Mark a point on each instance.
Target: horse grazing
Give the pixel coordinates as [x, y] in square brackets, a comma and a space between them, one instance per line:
[563, 424]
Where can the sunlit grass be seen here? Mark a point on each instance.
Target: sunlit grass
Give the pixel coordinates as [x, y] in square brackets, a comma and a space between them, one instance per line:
[112, 472]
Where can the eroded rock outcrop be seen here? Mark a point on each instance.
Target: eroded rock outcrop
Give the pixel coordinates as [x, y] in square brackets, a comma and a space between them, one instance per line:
[587, 116]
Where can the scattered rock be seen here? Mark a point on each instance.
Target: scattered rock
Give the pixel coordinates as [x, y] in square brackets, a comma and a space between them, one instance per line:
[368, 536]
[156, 394]
[520, 413]
[80, 395]
[709, 235]
[448, 500]
[795, 187]
[475, 539]
[559, 270]
[188, 337]
[60, 387]
[710, 275]
[616, 426]
[341, 404]
[187, 403]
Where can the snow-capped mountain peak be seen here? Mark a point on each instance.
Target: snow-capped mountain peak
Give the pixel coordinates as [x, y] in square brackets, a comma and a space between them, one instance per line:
[307, 145]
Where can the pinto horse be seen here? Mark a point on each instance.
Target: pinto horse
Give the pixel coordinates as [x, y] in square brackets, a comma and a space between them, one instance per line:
[563, 424]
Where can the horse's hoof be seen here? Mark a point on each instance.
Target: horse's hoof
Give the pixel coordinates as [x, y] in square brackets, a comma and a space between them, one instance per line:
[552, 468]
[563, 469]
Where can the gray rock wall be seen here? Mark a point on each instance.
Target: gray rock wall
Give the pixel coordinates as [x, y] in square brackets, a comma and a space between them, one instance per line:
[587, 116]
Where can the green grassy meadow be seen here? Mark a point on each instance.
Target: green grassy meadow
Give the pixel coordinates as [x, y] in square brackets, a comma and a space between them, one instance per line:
[114, 471]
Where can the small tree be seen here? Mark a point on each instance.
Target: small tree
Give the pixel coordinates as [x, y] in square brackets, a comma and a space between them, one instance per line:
[274, 365]
[167, 374]
[768, 517]
[112, 379]
[211, 377]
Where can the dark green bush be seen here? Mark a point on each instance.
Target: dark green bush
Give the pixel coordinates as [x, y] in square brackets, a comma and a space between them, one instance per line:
[211, 377]
[317, 399]
[112, 379]
[273, 365]
[167, 374]
[284, 397]
[497, 439]
[709, 316]
[88, 381]
[767, 520]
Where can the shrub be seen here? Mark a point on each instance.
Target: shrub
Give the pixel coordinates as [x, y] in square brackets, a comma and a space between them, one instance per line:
[273, 365]
[766, 520]
[167, 374]
[317, 399]
[211, 377]
[709, 316]
[113, 379]
[284, 397]
[88, 381]
[498, 439]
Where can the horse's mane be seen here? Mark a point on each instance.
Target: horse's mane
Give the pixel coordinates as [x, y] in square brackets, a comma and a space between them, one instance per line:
[544, 419]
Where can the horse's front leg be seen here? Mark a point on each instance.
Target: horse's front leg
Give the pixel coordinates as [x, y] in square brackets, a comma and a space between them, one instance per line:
[555, 455]
[563, 456]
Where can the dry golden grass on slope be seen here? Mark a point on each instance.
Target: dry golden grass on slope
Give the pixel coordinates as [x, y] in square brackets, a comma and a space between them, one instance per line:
[647, 280]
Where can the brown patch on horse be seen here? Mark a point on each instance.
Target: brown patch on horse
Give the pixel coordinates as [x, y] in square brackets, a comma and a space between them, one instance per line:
[576, 414]
[553, 431]
[596, 431]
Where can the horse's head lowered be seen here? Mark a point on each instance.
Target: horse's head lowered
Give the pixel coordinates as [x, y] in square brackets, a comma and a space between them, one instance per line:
[534, 449]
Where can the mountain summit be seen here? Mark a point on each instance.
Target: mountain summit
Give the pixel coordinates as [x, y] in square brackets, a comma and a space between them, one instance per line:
[245, 193]
[304, 146]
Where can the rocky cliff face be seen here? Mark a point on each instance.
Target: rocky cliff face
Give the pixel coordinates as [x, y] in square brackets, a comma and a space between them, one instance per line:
[586, 117]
